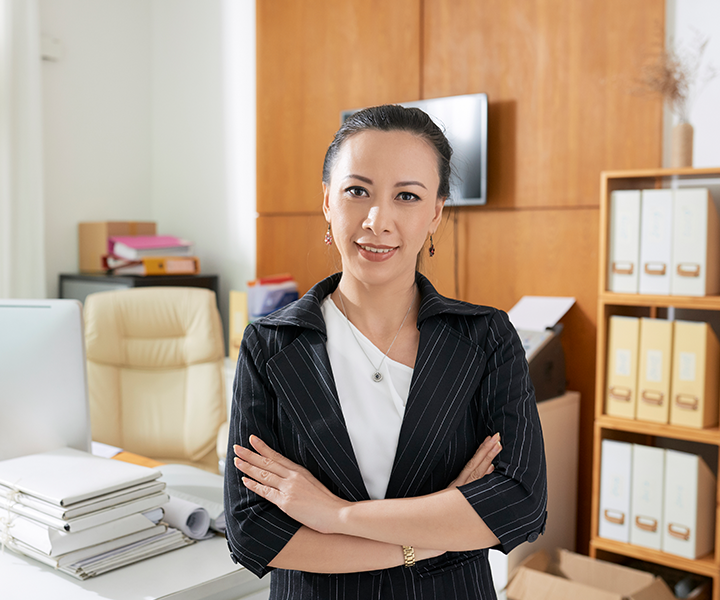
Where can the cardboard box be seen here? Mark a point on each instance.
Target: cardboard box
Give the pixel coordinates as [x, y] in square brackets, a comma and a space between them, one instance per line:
[622, 367]
[564, 575]
[654, 370]
[93, 240]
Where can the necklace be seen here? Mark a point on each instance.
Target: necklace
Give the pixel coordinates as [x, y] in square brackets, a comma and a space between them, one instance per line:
[377, 375]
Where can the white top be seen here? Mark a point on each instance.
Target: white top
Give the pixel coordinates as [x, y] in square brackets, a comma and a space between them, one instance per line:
[373, 411]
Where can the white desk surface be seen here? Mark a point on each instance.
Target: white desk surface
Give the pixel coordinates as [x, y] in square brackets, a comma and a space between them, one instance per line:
[203, 570]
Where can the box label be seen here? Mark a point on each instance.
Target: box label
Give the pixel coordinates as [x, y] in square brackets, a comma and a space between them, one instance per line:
[623, 362]
[653, 371]
[687, 366]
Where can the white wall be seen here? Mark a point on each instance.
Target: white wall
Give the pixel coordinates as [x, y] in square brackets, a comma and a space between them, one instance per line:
[96, 111]
[150, 114]
[203, 148]
[685, 19]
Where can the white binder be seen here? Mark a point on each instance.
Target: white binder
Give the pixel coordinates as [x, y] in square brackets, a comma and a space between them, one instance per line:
[624, 241]
[656, 241]
[689, 512]
[615, 483]
[646, 512]
[696, 244]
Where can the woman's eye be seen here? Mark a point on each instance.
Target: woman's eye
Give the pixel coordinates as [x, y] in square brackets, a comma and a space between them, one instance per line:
[408, 197]
[357, 191]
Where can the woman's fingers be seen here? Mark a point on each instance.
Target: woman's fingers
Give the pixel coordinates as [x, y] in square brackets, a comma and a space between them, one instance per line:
[262, 462]
[481, 462]
[260, 475]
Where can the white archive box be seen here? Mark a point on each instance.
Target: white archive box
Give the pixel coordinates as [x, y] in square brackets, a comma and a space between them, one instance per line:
[696, 244]
[656, 241]
[689, 511]
[615, 484]
[624, 241]
[646, 507]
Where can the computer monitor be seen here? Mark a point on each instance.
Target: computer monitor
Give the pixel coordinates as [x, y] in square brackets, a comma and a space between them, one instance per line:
[43, 379]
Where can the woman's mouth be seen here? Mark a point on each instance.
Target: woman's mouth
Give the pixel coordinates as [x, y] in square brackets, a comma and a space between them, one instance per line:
[375, 253]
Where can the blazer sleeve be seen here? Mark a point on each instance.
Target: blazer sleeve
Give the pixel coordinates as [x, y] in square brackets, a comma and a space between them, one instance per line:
[512, 500]
[256, 529]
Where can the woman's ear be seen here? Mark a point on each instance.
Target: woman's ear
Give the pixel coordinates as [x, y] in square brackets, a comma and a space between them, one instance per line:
[435, 223]
[326, 201]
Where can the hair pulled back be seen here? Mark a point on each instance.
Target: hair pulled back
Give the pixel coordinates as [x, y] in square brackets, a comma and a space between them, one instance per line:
[393, 117]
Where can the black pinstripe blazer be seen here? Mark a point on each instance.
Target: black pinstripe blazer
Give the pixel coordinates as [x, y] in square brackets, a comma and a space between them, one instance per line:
[470, 380]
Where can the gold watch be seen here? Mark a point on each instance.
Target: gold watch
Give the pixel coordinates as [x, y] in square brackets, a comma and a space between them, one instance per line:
[409, 555]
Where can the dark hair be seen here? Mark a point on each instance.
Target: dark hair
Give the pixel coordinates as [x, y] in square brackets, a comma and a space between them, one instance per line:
[392, 117]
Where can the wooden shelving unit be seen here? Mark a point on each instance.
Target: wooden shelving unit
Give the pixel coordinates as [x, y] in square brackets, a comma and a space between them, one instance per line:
[608, 427]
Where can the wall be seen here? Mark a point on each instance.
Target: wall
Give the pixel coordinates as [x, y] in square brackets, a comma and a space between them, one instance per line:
[149, 114]
[686, 19]
[203, 106]
[96, 112]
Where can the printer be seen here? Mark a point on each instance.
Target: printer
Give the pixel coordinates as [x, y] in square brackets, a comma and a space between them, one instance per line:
[536, 320]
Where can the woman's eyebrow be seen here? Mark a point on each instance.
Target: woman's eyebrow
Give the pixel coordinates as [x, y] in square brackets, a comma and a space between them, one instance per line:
[360, 177]
[405, 183]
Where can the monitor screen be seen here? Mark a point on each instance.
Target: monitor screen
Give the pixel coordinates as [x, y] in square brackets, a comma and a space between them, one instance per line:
[464, 120]
[43, 382]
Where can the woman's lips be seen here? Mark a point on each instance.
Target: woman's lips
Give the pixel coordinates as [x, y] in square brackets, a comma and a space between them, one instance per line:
[375, 253]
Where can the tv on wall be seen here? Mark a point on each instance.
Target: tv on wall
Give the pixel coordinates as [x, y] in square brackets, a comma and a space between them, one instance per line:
[464, 121]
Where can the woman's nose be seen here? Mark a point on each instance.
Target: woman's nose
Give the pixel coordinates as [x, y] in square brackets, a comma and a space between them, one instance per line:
[379, 218]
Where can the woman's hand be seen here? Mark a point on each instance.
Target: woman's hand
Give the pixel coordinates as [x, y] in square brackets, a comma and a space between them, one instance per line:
[289, 486]
[481, 463]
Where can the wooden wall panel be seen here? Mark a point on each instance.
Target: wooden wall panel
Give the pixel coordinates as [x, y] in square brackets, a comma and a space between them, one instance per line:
[559, 76]
[314, 60]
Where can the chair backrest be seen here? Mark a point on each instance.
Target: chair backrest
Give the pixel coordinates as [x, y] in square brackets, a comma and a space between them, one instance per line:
[155, 371]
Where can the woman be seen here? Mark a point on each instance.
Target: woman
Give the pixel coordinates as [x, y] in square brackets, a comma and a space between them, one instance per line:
[363, 446]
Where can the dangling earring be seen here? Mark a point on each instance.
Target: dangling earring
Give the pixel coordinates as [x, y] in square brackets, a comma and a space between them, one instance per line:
[431, 249]
[328, 236]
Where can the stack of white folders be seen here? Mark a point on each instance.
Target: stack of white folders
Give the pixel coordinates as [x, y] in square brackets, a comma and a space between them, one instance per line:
[83, 514]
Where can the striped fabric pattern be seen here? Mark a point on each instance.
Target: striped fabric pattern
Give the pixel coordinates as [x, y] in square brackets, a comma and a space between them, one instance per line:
[470, 380]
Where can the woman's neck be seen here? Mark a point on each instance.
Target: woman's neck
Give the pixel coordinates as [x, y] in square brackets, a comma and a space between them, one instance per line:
[378, 310]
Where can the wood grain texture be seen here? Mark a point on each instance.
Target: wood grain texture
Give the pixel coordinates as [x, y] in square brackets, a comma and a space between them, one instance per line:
[314, 60]
[560, 76]
[543, 252]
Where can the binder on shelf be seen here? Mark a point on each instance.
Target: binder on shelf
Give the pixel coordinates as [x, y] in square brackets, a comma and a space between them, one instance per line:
[622, 371]
[696, 244]
[615, 483]
[624, 241]
[656, 241]
[153, 265]
[648, 489]
[689, 512]
[654, 370]
[696, 358]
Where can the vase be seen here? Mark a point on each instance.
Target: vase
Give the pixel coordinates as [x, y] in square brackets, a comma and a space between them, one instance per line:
[682, 145]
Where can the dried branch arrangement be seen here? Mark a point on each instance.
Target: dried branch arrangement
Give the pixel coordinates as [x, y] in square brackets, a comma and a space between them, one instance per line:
[676, 75]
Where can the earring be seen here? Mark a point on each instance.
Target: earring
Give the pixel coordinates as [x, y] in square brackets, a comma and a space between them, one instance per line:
[431, 249]
[328, 236]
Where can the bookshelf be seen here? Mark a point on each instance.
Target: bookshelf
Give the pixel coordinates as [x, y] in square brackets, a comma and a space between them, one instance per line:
[642, 305]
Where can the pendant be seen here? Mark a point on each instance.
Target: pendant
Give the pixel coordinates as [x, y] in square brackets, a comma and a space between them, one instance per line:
[377, 376]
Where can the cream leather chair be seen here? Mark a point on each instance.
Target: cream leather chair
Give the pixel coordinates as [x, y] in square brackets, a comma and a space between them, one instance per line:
[155, 372]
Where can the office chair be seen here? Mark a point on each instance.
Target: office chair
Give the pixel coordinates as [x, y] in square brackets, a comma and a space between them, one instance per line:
[155, 372]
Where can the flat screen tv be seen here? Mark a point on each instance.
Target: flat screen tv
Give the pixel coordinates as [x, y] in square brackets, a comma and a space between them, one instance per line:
[464, 120]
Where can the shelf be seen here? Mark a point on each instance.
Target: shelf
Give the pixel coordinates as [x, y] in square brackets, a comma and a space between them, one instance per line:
[702, 566]
[687, 172]
[709, 435]
[696, 302]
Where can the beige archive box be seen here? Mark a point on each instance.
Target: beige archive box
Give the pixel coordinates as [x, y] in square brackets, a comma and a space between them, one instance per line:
[621, 387]
[238, 322]
[654, 370]
[696, 357]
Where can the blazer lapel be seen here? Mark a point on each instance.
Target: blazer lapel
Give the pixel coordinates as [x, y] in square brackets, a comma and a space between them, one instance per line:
[305, 387]
[447, 372]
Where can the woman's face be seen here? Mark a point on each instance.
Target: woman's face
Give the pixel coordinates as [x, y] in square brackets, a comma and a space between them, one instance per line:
[382, 203]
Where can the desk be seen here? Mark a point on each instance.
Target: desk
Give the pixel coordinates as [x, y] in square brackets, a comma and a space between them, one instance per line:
[201, 571]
